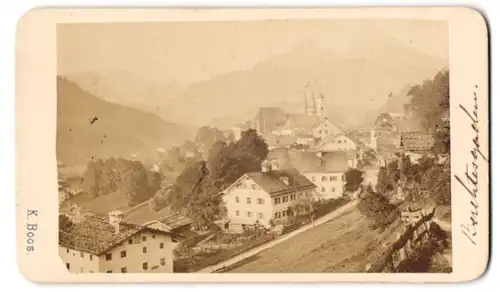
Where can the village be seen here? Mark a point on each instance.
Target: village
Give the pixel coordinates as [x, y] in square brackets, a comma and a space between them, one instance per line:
[313, 172]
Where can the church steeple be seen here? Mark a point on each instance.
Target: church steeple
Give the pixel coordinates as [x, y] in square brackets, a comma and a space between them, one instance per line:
[306, 106]
[313, 108]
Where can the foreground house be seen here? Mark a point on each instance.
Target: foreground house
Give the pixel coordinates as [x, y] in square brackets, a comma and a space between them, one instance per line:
[105, 244]
[259, 198]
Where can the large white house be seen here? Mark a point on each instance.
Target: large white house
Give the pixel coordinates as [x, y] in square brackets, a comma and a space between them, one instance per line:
[326, 170]
[106, 244]
[259, 197]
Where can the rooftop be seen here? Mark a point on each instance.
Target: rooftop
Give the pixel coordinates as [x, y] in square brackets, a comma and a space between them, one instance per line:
[271, 181]
[96, 235]
[329, 162]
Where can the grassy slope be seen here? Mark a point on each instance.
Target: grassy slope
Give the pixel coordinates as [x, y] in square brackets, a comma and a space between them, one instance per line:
[345, 244]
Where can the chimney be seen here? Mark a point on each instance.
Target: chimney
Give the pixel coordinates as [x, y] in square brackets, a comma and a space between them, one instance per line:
[115, 218]
[285, 180]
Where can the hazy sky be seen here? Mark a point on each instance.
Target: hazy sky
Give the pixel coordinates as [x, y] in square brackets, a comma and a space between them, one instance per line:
[195, 51]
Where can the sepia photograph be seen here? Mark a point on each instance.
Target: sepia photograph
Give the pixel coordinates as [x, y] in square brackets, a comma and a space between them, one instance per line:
[257, 146]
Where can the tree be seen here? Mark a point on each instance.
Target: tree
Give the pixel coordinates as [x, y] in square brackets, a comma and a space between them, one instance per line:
[135, 184]
[431, 101]
[353, 179]
[65, 224]
[377, 208]
[91, 177]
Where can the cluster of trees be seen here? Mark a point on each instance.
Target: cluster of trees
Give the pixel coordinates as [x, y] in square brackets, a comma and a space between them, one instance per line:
[178, 158]
[431, 101]
[353, 179]
[426, 178]
[137, 183]
[377, 208]
[196, 190]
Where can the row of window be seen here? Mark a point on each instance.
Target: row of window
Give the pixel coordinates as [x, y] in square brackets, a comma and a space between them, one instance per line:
[250, 214]
[283, 213]
[123, 269]
[323, 189]
[123, 253]
[260, 201]
[251, 186]
[325, 178]
[285, 199]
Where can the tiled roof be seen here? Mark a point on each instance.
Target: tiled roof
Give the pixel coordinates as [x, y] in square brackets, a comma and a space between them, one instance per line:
[309, 161]
[271, 182]
[417, 141]
[175, 221]
[96, 235]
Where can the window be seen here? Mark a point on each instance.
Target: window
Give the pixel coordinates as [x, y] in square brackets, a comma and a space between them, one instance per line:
[284, 199]
[323, 189]
[323, 178]
[144, 266]
[154, 237]
[108, 256]
[237, 213]
[161, 245]
[144, 250]
[237, 199]
[67, 266]
[260, 201]
[123, 254]
[313, 178]
[81, 254]
[67, 250]
[249, 200]
[319, 132]
[276, 201]
[143, 238]
[333, 190]
[130, 241]
[109, 271]
[277, 215]
[162, 261]
[249, 214]
[254, 187]
[81, 270]
[283, 213]
[260, 215]
[90, 256]
[333, 178]
[124, 269]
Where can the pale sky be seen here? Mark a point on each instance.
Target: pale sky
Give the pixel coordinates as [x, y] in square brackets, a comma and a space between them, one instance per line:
[194, 51]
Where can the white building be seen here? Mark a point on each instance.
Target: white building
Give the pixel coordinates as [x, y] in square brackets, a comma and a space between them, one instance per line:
[259, 197]
[339, 142]
[326, 170]
[325, 128]
[101, 244]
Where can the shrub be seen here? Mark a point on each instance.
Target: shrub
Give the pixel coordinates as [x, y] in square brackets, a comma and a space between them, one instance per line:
[377, 208]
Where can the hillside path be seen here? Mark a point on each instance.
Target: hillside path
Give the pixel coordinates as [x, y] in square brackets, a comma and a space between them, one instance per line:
[332, 215]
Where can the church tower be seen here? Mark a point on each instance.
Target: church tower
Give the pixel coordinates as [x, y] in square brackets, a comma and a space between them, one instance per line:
[306, 105]
[320, 111]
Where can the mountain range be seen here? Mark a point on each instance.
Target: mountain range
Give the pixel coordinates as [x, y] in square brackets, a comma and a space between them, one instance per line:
[355, 82]
[90, 127]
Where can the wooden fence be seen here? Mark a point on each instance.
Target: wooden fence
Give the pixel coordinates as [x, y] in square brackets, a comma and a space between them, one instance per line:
[413, 235]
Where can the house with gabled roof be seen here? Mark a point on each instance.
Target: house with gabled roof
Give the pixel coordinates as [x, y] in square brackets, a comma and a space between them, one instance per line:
[107, 244]
[324, 169]
[265, 197]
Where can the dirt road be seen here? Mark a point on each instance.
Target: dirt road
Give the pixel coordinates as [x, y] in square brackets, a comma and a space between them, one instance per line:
[334, 214]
